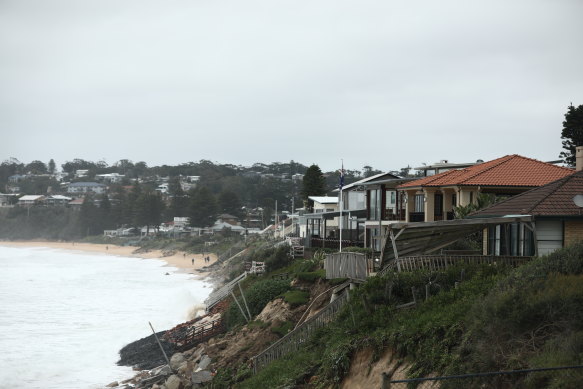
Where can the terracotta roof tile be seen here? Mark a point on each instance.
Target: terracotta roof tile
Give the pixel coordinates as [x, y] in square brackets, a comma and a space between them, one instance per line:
[510, 170]
[553, 199]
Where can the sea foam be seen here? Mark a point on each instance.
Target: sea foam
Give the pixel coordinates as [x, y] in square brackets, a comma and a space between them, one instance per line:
[65, 315]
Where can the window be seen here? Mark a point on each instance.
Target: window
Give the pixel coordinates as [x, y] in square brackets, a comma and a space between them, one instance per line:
[375, 204]
[419, 203]
[438, 205]
[392, 196]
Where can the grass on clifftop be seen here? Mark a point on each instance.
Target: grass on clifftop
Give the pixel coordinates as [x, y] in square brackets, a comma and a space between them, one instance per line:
[498, 319]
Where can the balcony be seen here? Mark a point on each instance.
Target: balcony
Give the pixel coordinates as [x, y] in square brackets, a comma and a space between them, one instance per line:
[416, 216]
[331, 243]
[389, 214]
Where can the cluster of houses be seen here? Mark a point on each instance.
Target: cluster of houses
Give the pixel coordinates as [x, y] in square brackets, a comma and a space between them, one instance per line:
[75, 192]
[538, 209]
[72, 194]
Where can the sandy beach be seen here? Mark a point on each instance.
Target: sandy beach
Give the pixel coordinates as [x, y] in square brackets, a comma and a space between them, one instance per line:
[180, 260]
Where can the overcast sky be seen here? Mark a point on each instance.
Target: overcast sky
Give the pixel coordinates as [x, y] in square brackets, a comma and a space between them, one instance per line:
[383, 83]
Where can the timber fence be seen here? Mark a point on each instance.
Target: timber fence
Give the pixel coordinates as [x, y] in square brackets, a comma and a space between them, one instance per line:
[296, 338]
[347, 265]
[218, 295]
[441, 262]
[564, 377]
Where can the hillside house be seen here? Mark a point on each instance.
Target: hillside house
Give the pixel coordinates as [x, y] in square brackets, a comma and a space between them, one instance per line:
[8, 199]
[557, 209]
[110, 178]
[316, 224]
[58, 200]
[443, 166]
[432, 198]
[86, 187]
[30, 200]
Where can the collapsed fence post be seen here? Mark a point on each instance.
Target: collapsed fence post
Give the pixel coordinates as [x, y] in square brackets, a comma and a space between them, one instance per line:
[239, 305]
[160, 344]
[244, 300]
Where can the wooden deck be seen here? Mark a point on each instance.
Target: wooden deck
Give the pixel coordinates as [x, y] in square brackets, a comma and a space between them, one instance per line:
[184, 337]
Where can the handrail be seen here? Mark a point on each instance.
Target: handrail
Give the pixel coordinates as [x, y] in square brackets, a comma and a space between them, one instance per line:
[222, 292]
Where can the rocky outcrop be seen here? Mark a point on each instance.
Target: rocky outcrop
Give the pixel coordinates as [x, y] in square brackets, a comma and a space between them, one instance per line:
[145, 353]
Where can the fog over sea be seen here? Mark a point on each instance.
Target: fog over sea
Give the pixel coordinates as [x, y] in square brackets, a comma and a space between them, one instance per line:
[65, 315]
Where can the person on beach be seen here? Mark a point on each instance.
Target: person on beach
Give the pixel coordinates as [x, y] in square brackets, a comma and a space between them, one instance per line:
[193, 261]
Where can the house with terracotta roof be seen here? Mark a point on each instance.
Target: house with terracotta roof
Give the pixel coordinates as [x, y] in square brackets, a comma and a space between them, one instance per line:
[433, 198]
[558, 218]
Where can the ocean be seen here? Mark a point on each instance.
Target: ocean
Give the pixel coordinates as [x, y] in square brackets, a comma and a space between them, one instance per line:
[65, 315]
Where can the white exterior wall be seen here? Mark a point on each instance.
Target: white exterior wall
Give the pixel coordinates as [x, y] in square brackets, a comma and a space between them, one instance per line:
[549, 236]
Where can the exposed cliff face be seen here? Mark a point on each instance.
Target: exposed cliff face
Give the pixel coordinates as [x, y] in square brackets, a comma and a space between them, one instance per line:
[366, 372]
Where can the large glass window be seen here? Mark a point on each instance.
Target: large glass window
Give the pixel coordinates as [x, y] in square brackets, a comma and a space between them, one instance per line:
[375, 204]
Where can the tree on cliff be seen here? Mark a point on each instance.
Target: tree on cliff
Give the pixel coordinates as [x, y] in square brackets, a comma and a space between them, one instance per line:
[572, 133]
[313, 183]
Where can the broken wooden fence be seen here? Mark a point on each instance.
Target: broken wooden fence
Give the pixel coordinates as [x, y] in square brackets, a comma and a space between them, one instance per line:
[188, 337]
[294, 339]
[441, 262]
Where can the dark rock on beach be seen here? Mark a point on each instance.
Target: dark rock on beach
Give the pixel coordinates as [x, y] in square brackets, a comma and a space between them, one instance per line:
[145, 353]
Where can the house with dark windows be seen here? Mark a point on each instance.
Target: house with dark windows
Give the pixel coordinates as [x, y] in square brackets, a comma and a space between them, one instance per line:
[433, 198]
[557, 209]
[86, 187]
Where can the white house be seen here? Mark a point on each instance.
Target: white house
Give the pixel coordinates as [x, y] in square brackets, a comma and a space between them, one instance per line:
[30, 200]
[112, 178]
[86, 187]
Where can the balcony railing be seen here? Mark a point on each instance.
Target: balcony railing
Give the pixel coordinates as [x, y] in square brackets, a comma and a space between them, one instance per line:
[390, 214]
[416, 216]
[330, 243]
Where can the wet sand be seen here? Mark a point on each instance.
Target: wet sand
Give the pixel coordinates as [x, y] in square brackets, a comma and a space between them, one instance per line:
[180, 260]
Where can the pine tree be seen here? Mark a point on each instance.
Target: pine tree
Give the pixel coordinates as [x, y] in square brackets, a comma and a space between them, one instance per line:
[203, 208]
[314, 183]
[229, 203]
[572, 133]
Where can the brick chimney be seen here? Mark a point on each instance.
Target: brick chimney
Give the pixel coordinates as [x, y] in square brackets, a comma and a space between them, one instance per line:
[579, 158]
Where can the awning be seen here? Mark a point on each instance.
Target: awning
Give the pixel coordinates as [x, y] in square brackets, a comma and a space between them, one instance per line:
[404, 239]
[334, 214]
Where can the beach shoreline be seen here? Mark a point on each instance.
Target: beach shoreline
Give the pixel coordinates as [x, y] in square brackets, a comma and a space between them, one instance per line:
[184, 262]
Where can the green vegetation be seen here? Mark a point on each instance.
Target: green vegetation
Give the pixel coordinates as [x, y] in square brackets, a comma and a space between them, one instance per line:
[497, 319]
[572, 133]
[311, 276]
[295, 297]
[314, 183]
[257, 296]
[283, 329]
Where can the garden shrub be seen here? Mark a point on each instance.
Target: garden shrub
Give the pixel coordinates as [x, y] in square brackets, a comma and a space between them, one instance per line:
[296, 297]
